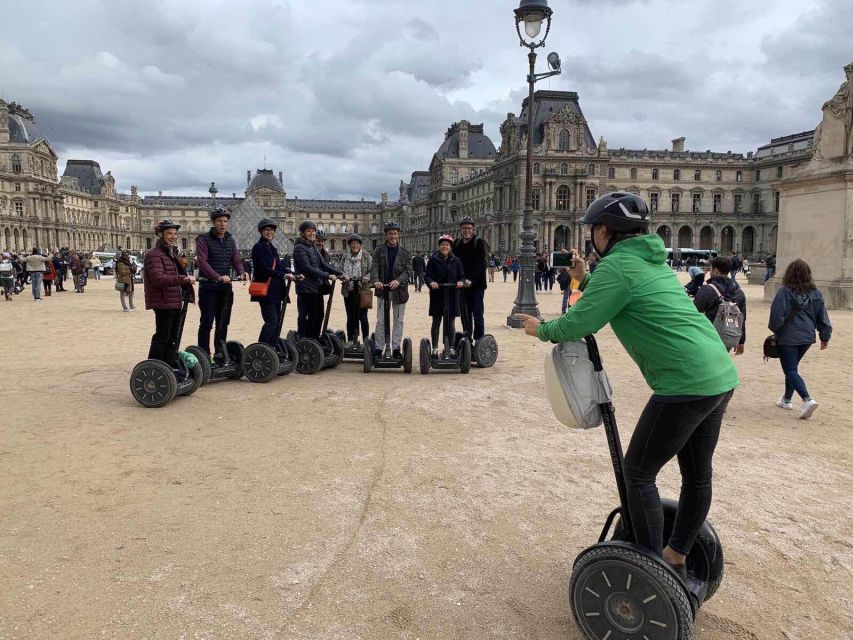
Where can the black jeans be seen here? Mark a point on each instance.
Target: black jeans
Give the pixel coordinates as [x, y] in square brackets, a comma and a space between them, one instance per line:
[271, 313]
[164, 342]
[419, 281]
[789, 359]
[473, 313]
[310, 321]
[449, 331]
[689, 430]
[356, 316]
[212, 300]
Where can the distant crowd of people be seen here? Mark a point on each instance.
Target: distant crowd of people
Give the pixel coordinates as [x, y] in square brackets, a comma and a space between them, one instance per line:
[47, 271]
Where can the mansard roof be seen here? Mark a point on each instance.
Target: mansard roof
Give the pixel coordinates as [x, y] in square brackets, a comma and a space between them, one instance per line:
[418, 188]
[795, 142]
[547, 104]
[88, 175]
[265, 178]
[23, 131]
[480, 147]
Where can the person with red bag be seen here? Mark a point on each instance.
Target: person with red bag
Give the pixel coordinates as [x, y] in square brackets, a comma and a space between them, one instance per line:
[48, 277]
[268, 270]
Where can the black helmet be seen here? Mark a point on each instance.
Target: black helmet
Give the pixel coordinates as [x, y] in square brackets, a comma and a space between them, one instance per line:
[161, 226]
[218, 212]
[321, 234]
[391, 225]
[355, 237]
[307, 224]
[619, 211]
[266, 222]
[466, 220]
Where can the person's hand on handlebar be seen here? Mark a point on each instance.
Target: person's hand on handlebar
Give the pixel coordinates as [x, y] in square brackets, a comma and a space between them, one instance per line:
[333, 277]
[378, 284]
[289, 276]
[467, 282]
[365, 279]
[244, 277]
[459, 285]
[225, 279]
[531, 324]
[189, 280]
[433, 285]
[394, 284]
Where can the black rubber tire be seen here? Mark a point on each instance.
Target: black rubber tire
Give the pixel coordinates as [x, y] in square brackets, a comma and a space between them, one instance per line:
[235, 354]
[705, 562]
[333, 346]
[197, 374]
[425, 356]
[259, 363]
[311, 356]
[287, 357]
[342, 336]
[621, 592]
[485, 352]
[367, 360]
[292, 338]
[204, 359]
[153, 384]
[407, 355]
[464, 356]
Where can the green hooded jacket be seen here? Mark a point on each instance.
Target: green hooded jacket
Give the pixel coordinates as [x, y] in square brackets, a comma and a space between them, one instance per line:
[676, 347]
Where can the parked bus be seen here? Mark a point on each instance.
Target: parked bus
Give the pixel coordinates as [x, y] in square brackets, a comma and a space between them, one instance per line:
[704, 255]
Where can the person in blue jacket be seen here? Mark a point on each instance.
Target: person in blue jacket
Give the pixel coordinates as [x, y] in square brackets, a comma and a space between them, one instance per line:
[267, 266]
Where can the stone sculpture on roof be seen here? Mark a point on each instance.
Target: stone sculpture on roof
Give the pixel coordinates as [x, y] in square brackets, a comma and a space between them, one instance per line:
[834, 135]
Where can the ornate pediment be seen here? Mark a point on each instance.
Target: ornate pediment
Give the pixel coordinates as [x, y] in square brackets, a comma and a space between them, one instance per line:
[567, 115]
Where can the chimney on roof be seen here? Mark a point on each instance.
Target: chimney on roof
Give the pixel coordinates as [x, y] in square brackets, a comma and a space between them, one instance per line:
[463, 139]
[248, 177]
[233, 195]
[678, 144]
[281, 178]
[160, 193]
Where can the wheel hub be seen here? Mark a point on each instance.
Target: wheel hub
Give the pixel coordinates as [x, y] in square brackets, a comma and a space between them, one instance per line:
[624, 612]
[150, 386]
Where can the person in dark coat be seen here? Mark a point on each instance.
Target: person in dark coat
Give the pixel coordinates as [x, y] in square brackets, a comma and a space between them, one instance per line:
[444, 268]
[473, 253]
[392, 267]
[165, 280]
[797, 312]
[720, 286]
[308, 262]
[269, 267]
[418, 268]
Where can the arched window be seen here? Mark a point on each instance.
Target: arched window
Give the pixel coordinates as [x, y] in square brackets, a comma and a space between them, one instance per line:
[16, 163]
[374, 229]
[633, 173]
[344, 227]
[564, 169]
[563, 198]
[611, 172]
[332, 244]
[332, 228]
[697, 175]
[454, 176]
[184, 244]
[564, 140]
[655, 174]
[591, 169]
[676, 174]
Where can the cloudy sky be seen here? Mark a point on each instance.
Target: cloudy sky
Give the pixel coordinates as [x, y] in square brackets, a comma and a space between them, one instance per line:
[349, 96]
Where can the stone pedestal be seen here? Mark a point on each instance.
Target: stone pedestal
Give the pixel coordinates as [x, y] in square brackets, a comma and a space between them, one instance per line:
[756, 273]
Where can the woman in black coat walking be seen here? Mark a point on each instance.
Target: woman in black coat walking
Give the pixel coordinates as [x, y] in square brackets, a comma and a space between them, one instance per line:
[443, 268]
[268, 267]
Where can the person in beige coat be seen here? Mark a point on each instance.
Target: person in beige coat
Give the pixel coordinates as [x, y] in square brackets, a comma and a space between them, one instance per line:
[124, 278]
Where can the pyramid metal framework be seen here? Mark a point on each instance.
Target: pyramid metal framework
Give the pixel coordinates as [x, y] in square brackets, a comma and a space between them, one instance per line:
[244, 227]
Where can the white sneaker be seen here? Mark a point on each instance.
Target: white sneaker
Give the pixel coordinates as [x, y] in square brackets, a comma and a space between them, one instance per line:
[809, 407]
[784, 404]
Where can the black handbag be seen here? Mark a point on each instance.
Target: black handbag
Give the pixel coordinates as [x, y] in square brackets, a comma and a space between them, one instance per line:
[771, 349]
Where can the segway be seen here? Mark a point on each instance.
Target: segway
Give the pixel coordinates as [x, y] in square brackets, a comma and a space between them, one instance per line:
[483, 351]
[387, 360]
[226, 364]
[325, 353]
[354, 352]
[155, 384]
[262, 362]
[445, 361]
[619, 589]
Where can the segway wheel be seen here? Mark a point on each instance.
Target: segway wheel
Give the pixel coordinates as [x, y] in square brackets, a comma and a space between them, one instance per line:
[335, 347]
[342, 336]
[259, 362]
[485, 352]
[287, 357]
[235, 354]
[204, 360]
[407, 355]
[292, 338]
[367, 360]
[153, 384]
[311, 356]
[619, 592]
[464, 356]
[425, 356]
[197, 374]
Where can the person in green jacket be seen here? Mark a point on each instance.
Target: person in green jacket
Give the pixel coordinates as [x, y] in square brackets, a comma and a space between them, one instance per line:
[679, 353]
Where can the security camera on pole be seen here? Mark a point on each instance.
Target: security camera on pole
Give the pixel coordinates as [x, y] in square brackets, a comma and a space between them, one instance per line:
[532, 13]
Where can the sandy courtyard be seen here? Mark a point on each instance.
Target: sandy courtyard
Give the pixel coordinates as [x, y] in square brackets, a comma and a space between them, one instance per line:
[346, 505]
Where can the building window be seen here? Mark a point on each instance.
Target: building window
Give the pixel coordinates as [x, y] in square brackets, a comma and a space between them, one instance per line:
[536, 168]
[453, 196]
[534, 197]
[97, 204]
[738, 202]
[655, 174]
[17, 186]
[779, 172]
[564, 169]
[655, 200]
[697, 202]
[718, 176]
[738, 176]
[19, 208]
[564, 140]
[563, 197]
[676, 202]
[454, 176]
[697, 175]
[16, 163]
[633, 173]
[591, 169]
[718, 202]
[756, 203]
[590, 196]
[611, 173]
[676, 175]
[148, 243]
[757, 175]
[355, 228]
[777, 196]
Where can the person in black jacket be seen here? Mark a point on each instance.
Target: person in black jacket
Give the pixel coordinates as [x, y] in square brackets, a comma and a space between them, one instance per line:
[418, 268]
[443, 268]
[308, 262]
[718, 288]
[391, 267]
[268, 266]
[473, 253]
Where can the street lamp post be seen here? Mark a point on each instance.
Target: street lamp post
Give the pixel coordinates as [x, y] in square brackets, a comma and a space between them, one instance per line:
[532, 13]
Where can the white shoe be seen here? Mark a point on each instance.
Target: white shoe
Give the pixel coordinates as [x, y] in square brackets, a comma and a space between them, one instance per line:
[126, 310]
[808, 408]
[784, 404]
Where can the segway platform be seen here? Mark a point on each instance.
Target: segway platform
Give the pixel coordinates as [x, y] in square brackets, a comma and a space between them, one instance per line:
[446, 361]
[226, 363]
[387, 359]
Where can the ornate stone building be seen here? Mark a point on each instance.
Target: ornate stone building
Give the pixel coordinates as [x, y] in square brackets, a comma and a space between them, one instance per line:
[700, 199]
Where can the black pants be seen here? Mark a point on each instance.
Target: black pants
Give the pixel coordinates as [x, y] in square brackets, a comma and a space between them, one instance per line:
[356, 317]
[473, 313]
[514, 276]
[212, 300]
[537, 280]
[449, 331]
[419, 281]
[690, 431]
[271, 313]
[164, 342]
[310, 321]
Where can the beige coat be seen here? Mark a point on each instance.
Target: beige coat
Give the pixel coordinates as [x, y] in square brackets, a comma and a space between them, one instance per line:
[124, 274]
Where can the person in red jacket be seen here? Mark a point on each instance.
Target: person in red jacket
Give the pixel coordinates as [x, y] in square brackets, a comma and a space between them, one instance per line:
[165, 278]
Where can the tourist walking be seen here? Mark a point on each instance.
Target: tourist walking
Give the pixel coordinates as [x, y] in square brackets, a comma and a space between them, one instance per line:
[770, 263]
[355, 265]
[124, 281]
[34, 264]
[418, 268]
[493, 266]
[270, 268]
[7, 276]
[516, 267]
[540, 271]
[48, 277]
[444, 268]
[507, 266]
[57, 265]
[720, 287]
[736, 265]
[392, 268]
[95, 262]
[797, 312]
[680, 355]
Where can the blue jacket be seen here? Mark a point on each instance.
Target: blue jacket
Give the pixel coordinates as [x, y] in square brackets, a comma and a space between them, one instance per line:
[800, 329]
[264, 255]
